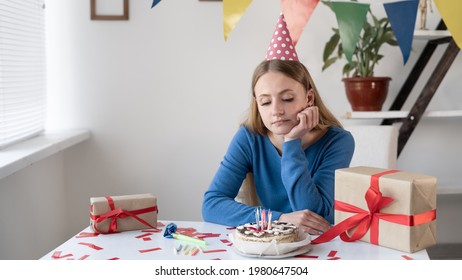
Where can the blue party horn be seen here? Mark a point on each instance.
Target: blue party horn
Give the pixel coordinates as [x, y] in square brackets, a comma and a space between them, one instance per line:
[170, 232]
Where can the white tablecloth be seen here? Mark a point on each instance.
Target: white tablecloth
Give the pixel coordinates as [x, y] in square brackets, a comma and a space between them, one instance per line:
[151, 244]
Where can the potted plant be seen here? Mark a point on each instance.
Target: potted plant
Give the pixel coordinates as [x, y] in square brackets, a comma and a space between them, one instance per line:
[365, 92]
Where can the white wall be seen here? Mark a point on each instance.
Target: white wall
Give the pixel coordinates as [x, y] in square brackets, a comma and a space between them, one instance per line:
[163, 94]
[33, 210]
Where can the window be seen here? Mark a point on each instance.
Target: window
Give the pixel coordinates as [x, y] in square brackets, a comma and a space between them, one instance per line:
[22, 70]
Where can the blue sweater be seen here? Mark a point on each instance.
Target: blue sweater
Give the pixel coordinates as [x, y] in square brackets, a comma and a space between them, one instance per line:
[299, 179]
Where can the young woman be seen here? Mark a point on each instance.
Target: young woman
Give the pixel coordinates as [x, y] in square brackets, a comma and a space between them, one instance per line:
[292, 145]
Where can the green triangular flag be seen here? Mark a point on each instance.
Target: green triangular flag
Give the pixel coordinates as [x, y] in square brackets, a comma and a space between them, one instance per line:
[350, 20]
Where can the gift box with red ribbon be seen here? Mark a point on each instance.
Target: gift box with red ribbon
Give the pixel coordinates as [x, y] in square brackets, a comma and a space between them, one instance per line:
[122, 213]
[389, 208]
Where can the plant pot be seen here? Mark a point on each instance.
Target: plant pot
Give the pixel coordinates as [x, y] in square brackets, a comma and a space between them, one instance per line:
[366, 93]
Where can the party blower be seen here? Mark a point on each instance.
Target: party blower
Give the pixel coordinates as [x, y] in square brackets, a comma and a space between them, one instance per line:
[170, 232]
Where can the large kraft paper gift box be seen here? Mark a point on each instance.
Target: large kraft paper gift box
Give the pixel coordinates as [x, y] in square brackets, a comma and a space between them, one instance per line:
[404, 214]
[110, 214]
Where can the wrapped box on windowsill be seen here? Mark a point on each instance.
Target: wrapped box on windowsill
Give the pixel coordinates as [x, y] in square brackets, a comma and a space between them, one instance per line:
[122, 213]
[395, 209]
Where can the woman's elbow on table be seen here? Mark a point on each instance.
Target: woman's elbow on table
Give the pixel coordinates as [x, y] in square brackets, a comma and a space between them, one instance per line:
[207, 208]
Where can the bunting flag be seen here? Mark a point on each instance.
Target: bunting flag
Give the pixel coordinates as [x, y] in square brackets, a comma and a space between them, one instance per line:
[350, 19]
[297, 13]
[402, 16]
[450, 11]
[232, 13]
[154, 3]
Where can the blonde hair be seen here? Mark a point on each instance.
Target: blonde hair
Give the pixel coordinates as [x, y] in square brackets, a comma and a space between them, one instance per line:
[298, 72]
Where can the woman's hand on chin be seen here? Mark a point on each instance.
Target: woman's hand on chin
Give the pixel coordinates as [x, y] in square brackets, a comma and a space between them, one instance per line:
[308, 119]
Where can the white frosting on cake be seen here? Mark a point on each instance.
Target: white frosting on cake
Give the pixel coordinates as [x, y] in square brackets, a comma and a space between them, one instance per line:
[280, 232]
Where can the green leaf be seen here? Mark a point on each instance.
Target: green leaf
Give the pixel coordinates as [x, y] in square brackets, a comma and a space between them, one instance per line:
[328, 63]
[389, 38]
[348, 68]
[340, 51]
[331, 45]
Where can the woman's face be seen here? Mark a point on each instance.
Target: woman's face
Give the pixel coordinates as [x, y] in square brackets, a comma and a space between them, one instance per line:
[279, 100]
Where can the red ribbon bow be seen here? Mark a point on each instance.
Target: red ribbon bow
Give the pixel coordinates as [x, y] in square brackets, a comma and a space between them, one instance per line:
[364, 220]
[119, 213]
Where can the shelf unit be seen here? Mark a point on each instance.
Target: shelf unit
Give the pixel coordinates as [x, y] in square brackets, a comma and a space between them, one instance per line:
[431, 34]
[410, 119]
[399, 115]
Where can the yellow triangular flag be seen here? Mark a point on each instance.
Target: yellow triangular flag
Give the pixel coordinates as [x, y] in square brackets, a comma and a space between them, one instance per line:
[450, 11]
[232, 13]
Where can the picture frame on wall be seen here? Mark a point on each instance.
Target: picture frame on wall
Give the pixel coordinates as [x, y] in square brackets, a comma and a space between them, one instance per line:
[109, 9]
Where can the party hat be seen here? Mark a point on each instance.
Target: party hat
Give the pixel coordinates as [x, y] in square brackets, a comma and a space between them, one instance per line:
[281, 46]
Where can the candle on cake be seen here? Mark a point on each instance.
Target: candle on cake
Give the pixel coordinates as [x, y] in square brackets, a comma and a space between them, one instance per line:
[263, 219]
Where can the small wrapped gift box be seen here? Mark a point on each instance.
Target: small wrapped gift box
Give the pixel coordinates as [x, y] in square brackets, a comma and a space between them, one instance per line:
[122, 213]
[385, 207]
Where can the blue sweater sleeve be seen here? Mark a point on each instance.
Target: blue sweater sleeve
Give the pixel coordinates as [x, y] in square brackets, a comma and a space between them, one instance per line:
[219, 205]
[315, 190]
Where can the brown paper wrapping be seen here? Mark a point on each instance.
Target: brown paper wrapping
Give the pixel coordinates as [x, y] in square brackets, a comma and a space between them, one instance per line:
[125, 203]
[412, 193]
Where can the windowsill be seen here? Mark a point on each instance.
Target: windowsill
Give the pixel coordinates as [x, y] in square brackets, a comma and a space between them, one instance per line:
[21, 155]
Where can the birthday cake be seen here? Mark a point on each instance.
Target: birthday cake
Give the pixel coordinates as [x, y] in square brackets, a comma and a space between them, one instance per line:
[279, 232]
[268, 238]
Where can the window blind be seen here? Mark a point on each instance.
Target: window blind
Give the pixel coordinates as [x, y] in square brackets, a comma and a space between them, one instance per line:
[22, 70]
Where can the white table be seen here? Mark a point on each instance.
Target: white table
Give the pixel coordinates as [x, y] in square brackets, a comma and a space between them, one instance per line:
[149, 245]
